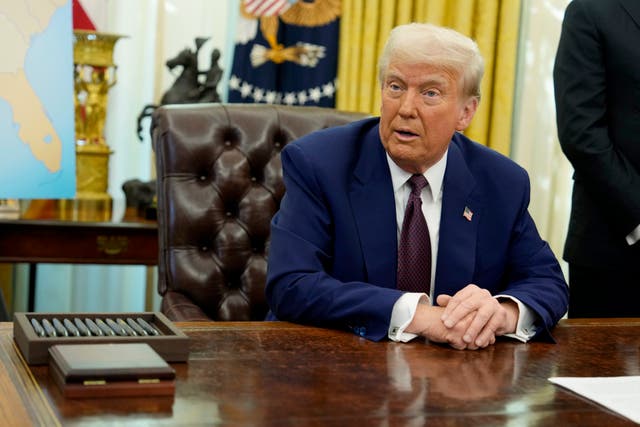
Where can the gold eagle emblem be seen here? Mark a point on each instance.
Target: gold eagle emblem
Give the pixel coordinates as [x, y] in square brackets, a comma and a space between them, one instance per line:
[313, 13]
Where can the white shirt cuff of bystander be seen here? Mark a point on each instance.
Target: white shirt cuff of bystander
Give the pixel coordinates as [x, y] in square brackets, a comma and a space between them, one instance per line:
[634, 236]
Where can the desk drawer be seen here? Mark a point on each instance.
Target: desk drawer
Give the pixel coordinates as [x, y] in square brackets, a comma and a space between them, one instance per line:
[81, 243]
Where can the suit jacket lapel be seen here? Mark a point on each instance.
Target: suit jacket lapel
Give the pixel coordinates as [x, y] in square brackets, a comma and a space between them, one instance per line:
[458, 231]
[373, 205]
[633, 8]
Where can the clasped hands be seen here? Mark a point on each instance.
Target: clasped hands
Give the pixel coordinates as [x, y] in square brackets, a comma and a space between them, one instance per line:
[470, 319]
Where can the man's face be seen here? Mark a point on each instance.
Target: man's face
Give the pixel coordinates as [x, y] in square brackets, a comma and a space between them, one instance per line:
[422, 107]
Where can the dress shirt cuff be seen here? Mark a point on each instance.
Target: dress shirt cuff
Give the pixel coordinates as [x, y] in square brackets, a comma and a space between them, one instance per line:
[525, 328]
[402, 314]
[634, 236]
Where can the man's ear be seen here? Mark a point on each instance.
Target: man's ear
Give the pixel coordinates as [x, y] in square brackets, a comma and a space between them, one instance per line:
[466, 113]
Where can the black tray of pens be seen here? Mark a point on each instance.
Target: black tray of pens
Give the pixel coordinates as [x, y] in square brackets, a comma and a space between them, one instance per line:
[34, 333]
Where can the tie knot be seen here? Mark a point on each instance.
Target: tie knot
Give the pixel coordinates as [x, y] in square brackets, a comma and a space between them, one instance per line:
[417, 182]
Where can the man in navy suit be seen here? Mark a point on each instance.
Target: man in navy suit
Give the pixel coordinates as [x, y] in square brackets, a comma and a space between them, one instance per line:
[333, 257]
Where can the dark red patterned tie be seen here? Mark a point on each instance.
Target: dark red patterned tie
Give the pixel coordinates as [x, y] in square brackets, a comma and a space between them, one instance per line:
[414, 252]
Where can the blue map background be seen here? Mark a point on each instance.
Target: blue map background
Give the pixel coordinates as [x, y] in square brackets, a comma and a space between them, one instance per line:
[49, 69]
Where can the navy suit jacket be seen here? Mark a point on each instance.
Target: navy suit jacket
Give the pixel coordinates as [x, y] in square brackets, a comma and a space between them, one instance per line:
[333, 248]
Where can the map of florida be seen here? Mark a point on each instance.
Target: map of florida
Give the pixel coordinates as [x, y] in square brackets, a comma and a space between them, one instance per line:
[19, 22]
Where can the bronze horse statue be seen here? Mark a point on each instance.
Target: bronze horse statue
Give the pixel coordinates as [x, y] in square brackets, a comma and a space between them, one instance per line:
[187, 87]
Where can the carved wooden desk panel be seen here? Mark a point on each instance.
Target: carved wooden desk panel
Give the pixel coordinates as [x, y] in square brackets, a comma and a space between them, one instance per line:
[279, 374]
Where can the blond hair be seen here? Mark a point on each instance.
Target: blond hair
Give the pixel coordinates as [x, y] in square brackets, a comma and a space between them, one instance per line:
[438, 46]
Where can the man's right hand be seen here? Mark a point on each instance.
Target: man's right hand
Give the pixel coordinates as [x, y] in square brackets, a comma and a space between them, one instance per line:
[427, 322]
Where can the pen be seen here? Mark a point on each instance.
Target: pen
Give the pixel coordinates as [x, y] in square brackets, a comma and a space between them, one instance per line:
[60, 329]
[81, 327]
[93, 327]
[115, 327]
[126, 327]
[48, 328]
[104, 328]
[36, 327]
[73, 331]
[147, 327]
[136, 327]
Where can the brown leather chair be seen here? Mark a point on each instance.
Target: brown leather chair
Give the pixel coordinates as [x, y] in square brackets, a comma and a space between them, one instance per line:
[219, 181]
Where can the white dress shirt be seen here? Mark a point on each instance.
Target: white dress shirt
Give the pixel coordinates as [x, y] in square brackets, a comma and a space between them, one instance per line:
[634, 236]
[404, 309]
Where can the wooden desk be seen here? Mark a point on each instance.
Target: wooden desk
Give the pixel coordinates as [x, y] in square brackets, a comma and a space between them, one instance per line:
[279, 374]
[71, 242]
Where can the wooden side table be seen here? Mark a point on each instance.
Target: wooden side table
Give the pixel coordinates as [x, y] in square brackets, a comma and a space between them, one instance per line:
[49, 240]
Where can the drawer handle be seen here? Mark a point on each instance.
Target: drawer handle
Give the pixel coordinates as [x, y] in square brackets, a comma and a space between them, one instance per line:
[112, 245]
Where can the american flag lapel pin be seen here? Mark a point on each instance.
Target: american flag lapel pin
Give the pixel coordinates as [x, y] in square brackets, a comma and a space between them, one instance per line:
[467, 213]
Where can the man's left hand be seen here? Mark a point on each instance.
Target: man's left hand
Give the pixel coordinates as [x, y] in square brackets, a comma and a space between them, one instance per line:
[492, 317]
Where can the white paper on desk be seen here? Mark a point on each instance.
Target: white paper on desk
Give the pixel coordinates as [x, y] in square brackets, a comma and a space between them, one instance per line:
[619, 394]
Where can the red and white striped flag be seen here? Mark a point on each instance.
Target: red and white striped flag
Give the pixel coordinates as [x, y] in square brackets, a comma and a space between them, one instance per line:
[81, 20]
[266, 7]
[467, 213]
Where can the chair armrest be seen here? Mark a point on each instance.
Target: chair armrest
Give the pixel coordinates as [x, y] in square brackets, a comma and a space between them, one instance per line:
[179, 308]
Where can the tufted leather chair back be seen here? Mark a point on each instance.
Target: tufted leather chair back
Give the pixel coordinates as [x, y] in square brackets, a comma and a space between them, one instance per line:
[219, 182]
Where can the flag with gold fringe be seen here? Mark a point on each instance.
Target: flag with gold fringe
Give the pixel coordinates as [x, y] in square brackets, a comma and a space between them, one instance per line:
[286, 52]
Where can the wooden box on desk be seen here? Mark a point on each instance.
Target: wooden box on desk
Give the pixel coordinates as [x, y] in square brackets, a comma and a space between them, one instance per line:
[110, 370]
[172, 344]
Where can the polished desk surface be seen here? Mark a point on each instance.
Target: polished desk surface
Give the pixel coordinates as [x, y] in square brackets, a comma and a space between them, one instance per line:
[280, 374]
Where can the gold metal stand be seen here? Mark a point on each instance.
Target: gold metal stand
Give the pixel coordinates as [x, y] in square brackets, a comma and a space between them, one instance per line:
[92, 202]
[94, 75]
